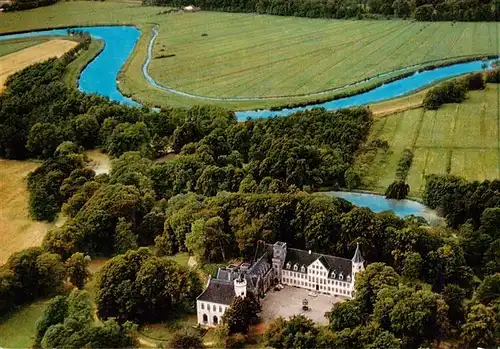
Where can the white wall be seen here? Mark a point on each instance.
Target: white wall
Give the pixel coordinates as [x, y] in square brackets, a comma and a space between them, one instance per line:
[210, 310]
[316, 275]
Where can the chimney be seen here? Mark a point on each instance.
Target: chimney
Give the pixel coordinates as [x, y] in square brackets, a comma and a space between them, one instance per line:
[309, 251]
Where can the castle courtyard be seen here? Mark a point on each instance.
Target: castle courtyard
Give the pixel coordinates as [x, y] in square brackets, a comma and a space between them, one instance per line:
[288, 302]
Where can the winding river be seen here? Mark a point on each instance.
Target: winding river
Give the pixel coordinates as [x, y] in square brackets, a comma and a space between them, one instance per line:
[100, 77]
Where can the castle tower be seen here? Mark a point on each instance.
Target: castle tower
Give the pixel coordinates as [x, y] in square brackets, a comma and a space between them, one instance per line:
[240, 286]
[357, 263]
[279, 255]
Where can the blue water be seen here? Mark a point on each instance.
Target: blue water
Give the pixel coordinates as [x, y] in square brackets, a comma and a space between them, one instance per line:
[383, 92]
[378, 203]
[100, 76]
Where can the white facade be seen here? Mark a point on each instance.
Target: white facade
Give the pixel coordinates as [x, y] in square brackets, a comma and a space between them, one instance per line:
[210, 314]
[317, 279]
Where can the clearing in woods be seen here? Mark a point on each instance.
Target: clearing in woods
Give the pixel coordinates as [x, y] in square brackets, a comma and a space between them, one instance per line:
[17, 230]
[459, 139]
[247, 55]
[14, 62]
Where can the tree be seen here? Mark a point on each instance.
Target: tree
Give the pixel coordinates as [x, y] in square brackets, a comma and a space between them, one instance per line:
[489, 289]
[402, 8]
[125, 239]
[412, 265]
[454, 296]
[481, 328]
[43, 139]
[345, 315]
[129, 137]
[186, 340]
[77, 269]
[298, 331]
[84, 128]
[385, 340]
[56, 312]
[208, 240]
[242, 312]
[397, 190]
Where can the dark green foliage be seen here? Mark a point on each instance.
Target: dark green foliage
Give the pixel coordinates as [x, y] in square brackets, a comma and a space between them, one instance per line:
[77, 269]
[56, 311]
[447, 92]
[242, 313]
[48, 186]
[397, 190]
[474, 81]
[296, 332]
[140, 287]
[404, 164]
[345, 315]
[472, 10]
[28, 275]
[19, 5]
[128, 137]
[489, 290]
[94, 228]
[482, 328]
[71, 326]
[493, 76]
[186, 340]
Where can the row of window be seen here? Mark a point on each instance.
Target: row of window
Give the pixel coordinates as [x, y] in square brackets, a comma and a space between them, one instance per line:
[315, 279]
[320, 287]
[318, 272]
[214, 307]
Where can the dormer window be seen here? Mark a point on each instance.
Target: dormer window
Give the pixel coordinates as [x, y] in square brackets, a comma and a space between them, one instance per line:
[348, 278]
[288, 265]
[341, 277]
[302, 269]
[295, 267]
[333, 275]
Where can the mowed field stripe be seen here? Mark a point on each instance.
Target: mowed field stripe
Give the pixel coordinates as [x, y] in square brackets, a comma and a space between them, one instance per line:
[14, 62]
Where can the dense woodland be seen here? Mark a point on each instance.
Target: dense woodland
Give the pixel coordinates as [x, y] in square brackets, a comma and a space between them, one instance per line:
[19, 5]
[229, 185]
[421, 10]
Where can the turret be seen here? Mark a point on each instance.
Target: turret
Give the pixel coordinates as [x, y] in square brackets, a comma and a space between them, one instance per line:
[357, 262]
[240, 286]
[279, 255]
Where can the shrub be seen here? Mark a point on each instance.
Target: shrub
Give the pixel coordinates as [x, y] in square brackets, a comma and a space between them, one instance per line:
[493, 76]
[448, 92]
[404, 164]
[397, 190]
[474, 81]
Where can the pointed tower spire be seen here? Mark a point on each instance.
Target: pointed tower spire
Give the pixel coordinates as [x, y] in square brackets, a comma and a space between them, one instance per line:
[358, 258]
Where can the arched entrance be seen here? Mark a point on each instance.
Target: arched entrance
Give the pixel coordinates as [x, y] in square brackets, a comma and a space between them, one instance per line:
[205, 318]
[216, 320]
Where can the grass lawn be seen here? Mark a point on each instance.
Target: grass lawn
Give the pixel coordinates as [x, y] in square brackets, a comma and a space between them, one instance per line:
[11, 46]
[18, 329]
[256, 55]
[460, 139]
[181, 258]
[17, 229]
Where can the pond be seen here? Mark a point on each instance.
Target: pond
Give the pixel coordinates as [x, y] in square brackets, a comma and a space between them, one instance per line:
[378, 203]
[100, 76]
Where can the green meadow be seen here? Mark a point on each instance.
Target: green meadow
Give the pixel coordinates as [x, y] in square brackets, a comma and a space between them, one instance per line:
[459, 139]
[247, 55]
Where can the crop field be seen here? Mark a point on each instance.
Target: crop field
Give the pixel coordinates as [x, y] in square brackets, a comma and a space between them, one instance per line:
[247, 55]
[11, 63]
[11, 46]
[17, 229]
[460, 139]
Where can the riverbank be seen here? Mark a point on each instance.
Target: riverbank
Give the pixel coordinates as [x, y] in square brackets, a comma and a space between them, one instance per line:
[256, 68]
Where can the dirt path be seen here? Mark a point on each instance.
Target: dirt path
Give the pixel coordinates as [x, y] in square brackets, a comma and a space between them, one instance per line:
[17, 61]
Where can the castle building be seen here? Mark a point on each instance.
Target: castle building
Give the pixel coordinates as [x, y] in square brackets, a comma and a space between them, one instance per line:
[273, 264]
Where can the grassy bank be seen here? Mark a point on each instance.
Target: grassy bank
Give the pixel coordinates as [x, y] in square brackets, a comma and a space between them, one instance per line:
[17, 330]
[235, 55]
[460, 139]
